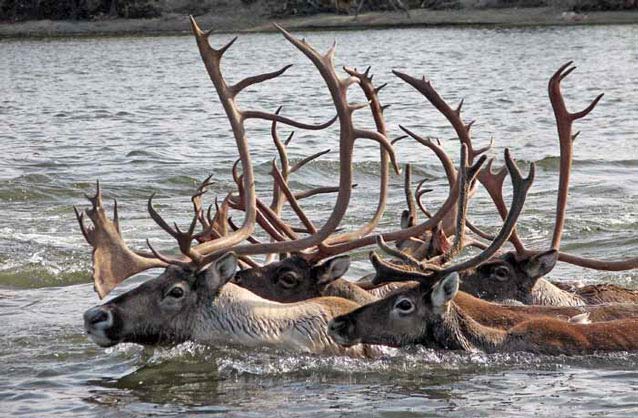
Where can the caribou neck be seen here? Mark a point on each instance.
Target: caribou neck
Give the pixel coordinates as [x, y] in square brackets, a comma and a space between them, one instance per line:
[459, 331]
[238, 316]
[545, 293]
[344, 289]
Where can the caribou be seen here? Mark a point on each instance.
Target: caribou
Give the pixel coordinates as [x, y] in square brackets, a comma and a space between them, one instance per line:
[301, 302]
[428, 315]
[436, 314]
[515, 275]
[194, 297]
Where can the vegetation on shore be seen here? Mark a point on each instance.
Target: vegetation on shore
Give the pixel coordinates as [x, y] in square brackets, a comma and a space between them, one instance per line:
[23, 10]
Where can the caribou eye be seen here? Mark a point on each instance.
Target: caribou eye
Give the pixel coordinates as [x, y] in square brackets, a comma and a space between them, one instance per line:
[288, 280]
[176, 292]
[501, 273]
[404, 305]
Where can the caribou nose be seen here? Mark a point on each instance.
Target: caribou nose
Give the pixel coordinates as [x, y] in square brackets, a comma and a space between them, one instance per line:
[340, 327]
[98, 317]
[337, 325]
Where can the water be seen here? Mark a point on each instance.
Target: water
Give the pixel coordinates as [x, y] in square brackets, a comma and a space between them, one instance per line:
[140, 115]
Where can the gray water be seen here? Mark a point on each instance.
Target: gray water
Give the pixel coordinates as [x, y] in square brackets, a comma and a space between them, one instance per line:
[140, 115]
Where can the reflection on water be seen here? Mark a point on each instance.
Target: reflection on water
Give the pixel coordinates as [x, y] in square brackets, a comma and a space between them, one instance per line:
[140, 115]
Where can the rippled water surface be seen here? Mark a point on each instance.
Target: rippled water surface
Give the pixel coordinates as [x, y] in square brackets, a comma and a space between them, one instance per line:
[140, 114]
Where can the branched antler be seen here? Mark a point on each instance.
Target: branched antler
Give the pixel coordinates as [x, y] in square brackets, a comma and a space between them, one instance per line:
[113, 261]
[564, 121]
[521, 187]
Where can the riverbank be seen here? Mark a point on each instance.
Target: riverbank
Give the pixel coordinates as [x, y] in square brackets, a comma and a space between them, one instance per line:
[248, 21]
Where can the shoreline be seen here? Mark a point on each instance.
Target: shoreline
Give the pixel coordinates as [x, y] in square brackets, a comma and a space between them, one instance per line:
[247, 22]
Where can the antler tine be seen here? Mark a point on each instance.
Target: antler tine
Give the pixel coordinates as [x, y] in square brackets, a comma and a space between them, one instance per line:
[564, 121]
[372, 95]
[291, 199]
[444, 158]
[96, 200]
[397, 253]
[387, 272]
[277, 200]
[85, 232]
[235, 227]
[493, 183]
[196, 199]
[116, 218]
[521, 187]
[249, 81]
[452, 115]
[168, 260]
[257, 114]
[466, 176]
[184, 239]
[317, 190]
[420, 191]
[308, 159]
[409, 196]
[158, 219]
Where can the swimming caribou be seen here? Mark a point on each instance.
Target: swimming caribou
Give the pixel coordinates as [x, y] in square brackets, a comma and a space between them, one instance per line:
[200, 296]
[193, 298]
[436, 314]
[518, 275]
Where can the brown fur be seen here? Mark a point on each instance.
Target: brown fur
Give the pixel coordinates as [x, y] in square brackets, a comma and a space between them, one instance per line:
[440, 316]
[335, 305]
[551, 336]
[505, 316]
[605, 293]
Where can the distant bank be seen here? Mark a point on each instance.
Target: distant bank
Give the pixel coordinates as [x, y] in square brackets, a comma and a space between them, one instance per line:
[173, 24]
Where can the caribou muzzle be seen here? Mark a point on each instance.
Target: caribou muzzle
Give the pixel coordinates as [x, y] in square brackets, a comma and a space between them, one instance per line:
[101, 325]
[343, 331]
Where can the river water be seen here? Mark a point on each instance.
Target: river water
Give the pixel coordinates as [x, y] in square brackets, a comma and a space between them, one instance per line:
[140, 115]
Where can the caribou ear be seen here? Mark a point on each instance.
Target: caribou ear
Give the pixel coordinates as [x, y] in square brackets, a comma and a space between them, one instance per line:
[406, 220]
[541, 264]
[219, 272]
[445, 290]
[332, 269]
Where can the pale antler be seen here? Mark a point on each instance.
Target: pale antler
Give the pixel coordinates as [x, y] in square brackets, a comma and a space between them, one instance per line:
[347, 136]
[372, 95]
[227, 94]
[113, 261]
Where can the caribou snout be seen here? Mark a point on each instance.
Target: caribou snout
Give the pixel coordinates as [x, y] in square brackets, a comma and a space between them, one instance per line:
[98, 324]
[341, 330]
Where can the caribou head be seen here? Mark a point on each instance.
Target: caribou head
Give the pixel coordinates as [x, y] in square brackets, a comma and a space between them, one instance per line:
[163, 310]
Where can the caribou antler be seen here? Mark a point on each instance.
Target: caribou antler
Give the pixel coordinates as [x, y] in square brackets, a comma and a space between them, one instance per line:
[113, 261]
[348, 134]
[564, 121]
[493, 183]
[521, 187]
